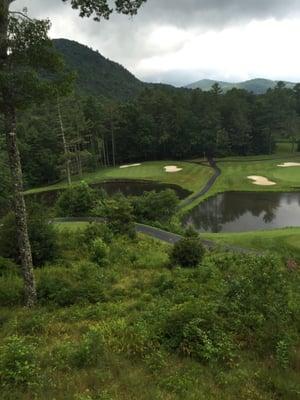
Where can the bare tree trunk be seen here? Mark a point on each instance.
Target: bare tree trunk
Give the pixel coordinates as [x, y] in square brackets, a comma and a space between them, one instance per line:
[15, 167]
[62, 129]
[19, 206]
[113, 145]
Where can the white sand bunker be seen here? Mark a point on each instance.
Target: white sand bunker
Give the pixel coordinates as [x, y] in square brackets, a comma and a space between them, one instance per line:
[130, 166]
[261, 181]
[289, 164]
[172, 168]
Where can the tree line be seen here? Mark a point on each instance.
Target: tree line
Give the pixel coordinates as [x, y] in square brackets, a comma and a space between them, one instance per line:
[75, 134]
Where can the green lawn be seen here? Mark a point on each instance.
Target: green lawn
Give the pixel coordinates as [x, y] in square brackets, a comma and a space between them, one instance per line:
[234, 175]
[192, 177]
[285, 242]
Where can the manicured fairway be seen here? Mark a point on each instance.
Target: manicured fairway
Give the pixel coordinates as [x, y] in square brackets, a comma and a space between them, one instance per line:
[192, 177]
[285, 242]
[235, 172]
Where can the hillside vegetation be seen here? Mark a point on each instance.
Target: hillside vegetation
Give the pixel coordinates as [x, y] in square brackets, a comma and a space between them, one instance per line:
[97, 75]
[257, 86]
[135, 328]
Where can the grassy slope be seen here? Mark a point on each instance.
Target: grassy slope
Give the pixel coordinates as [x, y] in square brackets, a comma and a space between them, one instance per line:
[285, 242]
[193, 176]
[131, 287]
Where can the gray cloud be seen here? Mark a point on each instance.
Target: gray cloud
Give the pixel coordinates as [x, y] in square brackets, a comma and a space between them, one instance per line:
[215, 13]
[126, 40]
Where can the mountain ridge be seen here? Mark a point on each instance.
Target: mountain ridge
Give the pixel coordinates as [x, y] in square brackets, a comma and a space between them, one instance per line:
[256, 85]
[96, 74]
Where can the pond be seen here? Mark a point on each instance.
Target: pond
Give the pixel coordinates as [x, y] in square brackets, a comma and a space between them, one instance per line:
[137, 188]
[128, 188]
[246, 211]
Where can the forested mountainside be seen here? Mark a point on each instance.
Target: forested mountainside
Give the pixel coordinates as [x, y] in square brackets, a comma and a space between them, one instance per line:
[97, 75]
[256, 86]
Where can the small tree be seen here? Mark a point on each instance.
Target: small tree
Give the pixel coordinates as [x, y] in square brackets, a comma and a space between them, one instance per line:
[153, 206]
[188, 252]
[76, 201]
[118, 213]
[41, 234]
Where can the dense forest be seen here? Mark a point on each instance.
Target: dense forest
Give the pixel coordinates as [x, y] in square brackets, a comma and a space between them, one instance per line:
[157, 124]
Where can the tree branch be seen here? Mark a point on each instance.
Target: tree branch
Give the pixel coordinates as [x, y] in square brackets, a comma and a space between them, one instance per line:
[21, 14]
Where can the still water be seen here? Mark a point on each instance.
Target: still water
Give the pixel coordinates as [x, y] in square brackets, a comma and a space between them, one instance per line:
[137, 188]
[246, 211]
[128, 188]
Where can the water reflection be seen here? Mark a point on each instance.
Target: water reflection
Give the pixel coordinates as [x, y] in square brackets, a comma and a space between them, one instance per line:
[128, 188]
[243, 211]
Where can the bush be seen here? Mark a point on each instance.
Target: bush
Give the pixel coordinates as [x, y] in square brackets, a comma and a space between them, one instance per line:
[41, 234]
[11, 290]
[118, 213]
[99, 252]
[96, 231]
[17, 363]
[7, 267]
[155, 206]
[63, 286]
[188, 252]
[76, 201]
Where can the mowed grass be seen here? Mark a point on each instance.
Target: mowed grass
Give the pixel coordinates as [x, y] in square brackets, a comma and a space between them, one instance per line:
[235, 172]
[285, 242]
[192, 177]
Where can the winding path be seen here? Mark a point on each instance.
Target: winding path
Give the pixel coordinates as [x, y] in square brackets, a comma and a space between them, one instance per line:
[206, 188]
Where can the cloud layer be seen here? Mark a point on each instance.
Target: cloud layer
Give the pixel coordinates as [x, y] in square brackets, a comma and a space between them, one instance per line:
[179, 41]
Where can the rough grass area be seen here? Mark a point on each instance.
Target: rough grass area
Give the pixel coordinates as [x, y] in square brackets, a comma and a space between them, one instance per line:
[285, 242]
[137, 329]
[192, 177]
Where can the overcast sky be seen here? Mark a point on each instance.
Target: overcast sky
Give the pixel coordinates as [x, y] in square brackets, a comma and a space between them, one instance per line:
[181, 41]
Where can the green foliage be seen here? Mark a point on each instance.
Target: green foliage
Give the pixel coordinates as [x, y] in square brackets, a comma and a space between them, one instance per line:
[227, 330]
[77, 201]
[42, 237]
[99, 252]
[7, 267]
[118, 213]
[64, 287]
[98, 10]
[97, 75]
[17, 363]
[155, 206]
[96, 231]
[187, 252]
[11, 290]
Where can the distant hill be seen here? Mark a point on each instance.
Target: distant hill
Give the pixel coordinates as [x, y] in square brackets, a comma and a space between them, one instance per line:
[98, 75]
[257, 86]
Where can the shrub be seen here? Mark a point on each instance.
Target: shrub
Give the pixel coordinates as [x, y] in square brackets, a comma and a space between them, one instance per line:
[7, 267]
[188, 252]
[155, 206]
[11, 290]
[118, 213]
[99, 252]
[18, 365]
[96, 231]
[41, 234]
[66, 286]
[76, 201]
